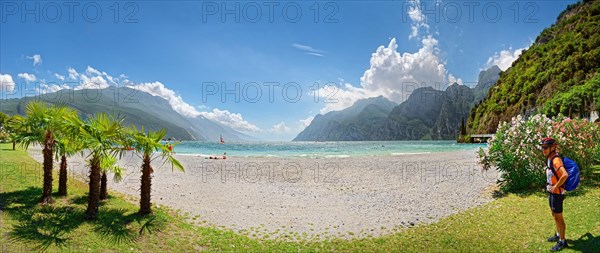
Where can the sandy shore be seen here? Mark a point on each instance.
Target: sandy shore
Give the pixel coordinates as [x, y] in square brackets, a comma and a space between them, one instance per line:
[296, 198]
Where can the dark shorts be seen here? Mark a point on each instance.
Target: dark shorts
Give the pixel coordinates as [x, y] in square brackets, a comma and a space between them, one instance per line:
[556, 202]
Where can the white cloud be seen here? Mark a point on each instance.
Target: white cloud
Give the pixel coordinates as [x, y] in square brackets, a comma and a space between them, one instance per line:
[6, 83]
[59, 77]
[92, 71]
[95, 79]
[395, 75]
[37, 59]
[91, 79]
[233, 120]
[50, 88]
[280, 128]
[110, 78]
[93, 82]
[343, 96]
[176, 102]
[27, 77]
[73, 74]
[504, 58]
[419, 20]
[305, 122]
[309, 50]
[452, 79]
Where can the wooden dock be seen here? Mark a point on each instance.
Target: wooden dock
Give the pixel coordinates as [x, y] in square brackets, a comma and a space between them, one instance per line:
[480, 138]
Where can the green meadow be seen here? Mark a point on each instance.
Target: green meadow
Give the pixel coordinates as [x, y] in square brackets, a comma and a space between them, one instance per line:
[510, 223]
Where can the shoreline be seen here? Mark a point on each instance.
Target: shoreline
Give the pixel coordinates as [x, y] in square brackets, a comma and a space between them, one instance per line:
[343, 149]
[316, 199]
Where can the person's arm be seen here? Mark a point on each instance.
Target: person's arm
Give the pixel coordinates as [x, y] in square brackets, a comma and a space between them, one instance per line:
[563, 178]
[560, 171]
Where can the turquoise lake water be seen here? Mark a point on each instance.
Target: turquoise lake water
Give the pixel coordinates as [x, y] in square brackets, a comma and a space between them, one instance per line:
[320, 149]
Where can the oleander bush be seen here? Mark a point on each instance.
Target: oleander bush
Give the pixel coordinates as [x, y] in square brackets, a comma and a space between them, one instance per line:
[515, 151]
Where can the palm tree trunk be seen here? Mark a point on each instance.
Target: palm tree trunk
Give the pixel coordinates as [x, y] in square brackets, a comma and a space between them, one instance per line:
[145, 205]
[93, 197]
[103, 190]
[14, 144]
[48, 160]
[62, 176]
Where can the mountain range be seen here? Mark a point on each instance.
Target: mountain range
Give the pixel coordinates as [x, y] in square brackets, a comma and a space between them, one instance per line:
[355, 123]
[427, 114]
[135, 107]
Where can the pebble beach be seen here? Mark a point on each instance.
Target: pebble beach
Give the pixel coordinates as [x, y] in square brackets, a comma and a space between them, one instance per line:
[308, 198]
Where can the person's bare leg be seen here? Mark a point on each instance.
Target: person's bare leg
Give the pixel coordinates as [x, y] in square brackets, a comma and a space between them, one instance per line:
[561, 227]
[555, 223]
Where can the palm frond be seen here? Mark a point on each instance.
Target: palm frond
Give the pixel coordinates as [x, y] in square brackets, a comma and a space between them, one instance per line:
[150, 144]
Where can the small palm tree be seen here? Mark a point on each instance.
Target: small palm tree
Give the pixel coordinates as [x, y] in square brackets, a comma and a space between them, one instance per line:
[148, 146]
[99, 135]
[103, 186]
[66, 146]
[39, 126]
[109, 164]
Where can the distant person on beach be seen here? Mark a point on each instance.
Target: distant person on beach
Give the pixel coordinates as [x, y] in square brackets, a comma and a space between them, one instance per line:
[217, 157]
[556, 176]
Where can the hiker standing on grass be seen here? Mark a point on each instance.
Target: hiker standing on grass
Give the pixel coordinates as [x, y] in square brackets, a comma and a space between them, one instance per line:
[556, 176]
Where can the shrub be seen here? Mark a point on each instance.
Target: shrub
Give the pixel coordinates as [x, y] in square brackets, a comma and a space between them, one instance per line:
[4, 136]
[515, 151]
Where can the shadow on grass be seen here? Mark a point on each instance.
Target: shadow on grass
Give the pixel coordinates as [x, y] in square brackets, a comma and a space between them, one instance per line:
[45, 225]
[114, 226]
[83, 200]
[498, 194]
[585, 243]
[25, 198]
[80, 200]
[117, 227]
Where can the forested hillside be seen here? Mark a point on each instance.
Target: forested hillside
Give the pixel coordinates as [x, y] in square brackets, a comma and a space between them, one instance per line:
[559, 73]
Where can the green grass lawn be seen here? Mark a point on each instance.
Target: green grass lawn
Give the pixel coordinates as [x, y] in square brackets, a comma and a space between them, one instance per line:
[513, 223]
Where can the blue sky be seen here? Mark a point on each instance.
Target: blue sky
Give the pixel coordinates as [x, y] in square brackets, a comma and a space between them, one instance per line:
[303, 61]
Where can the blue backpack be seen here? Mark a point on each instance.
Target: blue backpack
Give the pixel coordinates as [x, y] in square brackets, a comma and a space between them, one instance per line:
[572, 169]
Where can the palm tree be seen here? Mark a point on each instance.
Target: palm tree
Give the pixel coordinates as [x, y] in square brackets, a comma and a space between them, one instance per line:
[99, 135]
[109, 164]
[65, 146]
[148, 147]
[103, 186]
[41, 124]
